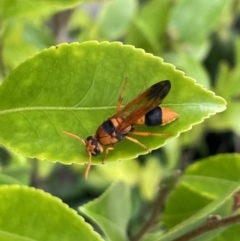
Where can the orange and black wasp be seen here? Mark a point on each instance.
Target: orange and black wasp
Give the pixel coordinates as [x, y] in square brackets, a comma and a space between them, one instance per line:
[144, 109]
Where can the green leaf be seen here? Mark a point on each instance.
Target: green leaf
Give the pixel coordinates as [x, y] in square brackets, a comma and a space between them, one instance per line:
[149, 26]
[22, 39]
[150, 177]
[16, 8]
[192, 21]
[222, 167]
[111, 211]
[231, 233]
[212, 180]
[219, 206]
[34, 215]
[18, 169]
[190, 65]
[115, 18]
[75, 87]
[5, 179]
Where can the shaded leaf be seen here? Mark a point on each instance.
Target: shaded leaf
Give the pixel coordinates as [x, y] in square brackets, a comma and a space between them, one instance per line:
[5, 179]
[150, 26]
[231, 233]
[208, 15]
[115, 18]
[220, 206]
[111, 211]
[203, 184]
[227, 85]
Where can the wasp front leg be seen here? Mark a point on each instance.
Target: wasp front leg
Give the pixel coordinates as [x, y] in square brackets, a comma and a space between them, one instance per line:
[109, 148]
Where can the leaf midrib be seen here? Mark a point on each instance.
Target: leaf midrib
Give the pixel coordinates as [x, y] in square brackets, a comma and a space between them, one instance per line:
[90, 108]
[55, 108]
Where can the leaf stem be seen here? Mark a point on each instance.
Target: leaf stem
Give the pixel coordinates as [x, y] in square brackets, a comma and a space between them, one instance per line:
[209, 226]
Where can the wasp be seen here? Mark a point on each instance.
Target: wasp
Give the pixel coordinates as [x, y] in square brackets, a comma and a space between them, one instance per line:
[144, 109]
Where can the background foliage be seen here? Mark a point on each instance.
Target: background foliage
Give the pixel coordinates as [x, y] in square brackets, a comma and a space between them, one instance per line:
[200, 38]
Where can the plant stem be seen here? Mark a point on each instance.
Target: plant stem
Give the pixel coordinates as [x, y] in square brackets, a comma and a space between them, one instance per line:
[209, 226]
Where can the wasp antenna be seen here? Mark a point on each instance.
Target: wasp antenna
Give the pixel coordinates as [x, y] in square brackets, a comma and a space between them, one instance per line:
[74, 136]
[88, 165]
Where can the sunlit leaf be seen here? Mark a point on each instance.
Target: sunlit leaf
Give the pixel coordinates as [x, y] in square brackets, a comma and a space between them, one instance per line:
[75, 88]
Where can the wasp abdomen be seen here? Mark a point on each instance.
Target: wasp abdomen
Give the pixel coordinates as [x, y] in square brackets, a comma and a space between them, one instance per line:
[160, 116]
[154, 117]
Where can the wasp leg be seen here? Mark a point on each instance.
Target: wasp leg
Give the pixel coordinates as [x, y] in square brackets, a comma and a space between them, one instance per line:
[109, 148]
[140, 133]
[120, 98]
[88, 165]
[138, 142]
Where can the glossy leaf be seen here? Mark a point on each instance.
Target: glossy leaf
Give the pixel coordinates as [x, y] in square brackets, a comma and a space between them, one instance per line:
[34, 215]
[111, 211]
[75, 87]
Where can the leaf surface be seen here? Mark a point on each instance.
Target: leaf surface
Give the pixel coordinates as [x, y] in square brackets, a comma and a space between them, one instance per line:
[111, 211]
[75, 87]
[207, 187]
[16, 8]
[35, 215]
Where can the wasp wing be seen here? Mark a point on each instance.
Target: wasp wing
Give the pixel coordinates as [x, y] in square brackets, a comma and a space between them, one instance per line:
[142, 104]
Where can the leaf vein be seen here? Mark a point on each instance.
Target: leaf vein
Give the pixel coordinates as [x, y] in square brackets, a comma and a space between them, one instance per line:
[52, 122]
[34, 128]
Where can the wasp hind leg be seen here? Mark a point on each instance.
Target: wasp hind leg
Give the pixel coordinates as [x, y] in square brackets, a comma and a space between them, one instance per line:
[141, 133]
[138, 142]
[120, 98]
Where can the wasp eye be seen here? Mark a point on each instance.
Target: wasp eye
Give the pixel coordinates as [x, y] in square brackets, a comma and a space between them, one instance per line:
[93, 145]
[89, 138]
